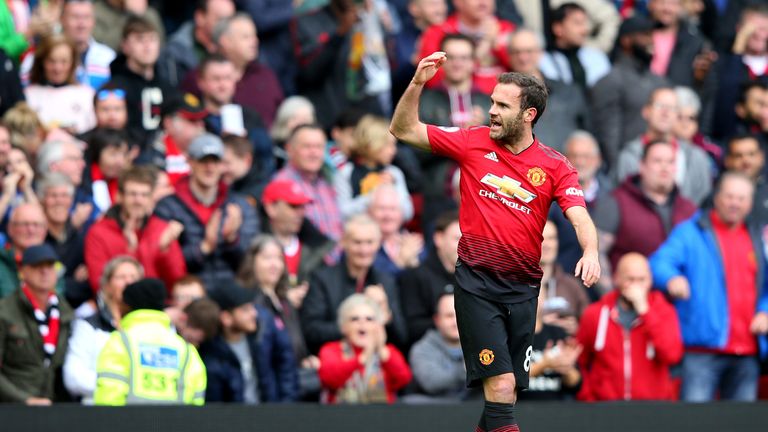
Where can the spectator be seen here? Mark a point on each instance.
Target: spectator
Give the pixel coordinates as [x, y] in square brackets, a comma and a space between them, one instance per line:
[66, 157]
[265, 271]
[644, 209]
[306, 150]
[687, 127]
[218, 224]
[329, 286]
[193, 40]
[567, 106]
[744, 155]
[110, 110]
[182, 121]
[273, 21]
[217, 83]
[30, 361]
[343, 138]
[565, 297]
[90, 333]
[135, 71]
[27, 131]
[602, 26]
[752, 111]
[362, 367]
[251, 361]
[712, 266]
[616, 100]
[202, 321]
[17, 184]
[184, 291]
[693, 169]
[304, 246]
[57, 196]
[422, 14]
[257, 86]
[292, 112]
[400, 249]
[326, 76]
[371, 166]
[680, 52]
[113, 15]
[457, 101]
[27, 227]
[5, 148]
[240, 173]
[53, 91]
[437, 360]
[12, 41]
[77, 23]
[583, 152]
[129, 228]
[745, 63]
[109, 158]
[166, 358]
[475, 19]
[554, 374]
[570, 59]
[630, 338]
[422, 287]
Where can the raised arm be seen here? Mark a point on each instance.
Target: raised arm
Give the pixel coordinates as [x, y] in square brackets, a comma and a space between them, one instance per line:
[405, 124]
[589, 265]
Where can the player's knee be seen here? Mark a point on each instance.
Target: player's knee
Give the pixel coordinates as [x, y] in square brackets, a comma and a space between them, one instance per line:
[500, 388]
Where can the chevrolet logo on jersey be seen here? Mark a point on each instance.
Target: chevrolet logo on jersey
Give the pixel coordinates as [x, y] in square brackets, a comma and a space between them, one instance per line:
[508, 187]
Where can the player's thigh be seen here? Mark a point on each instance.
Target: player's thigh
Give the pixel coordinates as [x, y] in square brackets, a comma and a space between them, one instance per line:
[483, 333]
[521, 323]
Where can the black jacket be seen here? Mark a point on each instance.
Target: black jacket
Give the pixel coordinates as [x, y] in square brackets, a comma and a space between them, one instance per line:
[328, 287]
[420, 289]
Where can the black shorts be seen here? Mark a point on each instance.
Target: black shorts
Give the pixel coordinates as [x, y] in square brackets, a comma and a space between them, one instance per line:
[496, 338]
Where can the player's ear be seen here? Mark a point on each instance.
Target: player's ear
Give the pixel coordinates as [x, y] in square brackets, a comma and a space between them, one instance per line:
[530, 114]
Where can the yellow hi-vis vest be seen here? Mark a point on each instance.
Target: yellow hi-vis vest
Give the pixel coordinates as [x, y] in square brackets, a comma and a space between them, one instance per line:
[148, 363]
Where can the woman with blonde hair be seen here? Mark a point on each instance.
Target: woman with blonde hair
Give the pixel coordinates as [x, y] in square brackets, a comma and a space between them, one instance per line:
[371, 165]
[54, 93]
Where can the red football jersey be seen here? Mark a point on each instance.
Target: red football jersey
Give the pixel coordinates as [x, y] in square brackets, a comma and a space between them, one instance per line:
[505, 199]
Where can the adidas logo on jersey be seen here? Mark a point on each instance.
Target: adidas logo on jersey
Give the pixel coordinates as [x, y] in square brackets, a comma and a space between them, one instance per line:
[492, 156]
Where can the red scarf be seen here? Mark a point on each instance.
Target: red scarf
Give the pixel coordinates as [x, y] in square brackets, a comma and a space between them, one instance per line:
[47, 322]
[97, 175]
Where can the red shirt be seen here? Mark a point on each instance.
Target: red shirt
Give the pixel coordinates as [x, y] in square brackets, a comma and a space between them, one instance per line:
[740, 275]
[293, 257]
[175, 161]
[505, 200]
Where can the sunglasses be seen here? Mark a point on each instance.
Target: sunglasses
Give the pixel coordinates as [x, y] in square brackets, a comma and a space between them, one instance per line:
[105, 93]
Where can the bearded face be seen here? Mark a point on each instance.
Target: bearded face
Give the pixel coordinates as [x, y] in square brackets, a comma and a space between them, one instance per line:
[507, 129]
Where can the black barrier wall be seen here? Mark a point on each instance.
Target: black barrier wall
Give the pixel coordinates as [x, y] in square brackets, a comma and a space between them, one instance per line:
[534, 417]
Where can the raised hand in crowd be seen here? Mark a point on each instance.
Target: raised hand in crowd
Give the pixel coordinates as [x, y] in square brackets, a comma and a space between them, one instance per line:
[171, 233]
[678, 288]
[233, 219]
[379, 295]
[211, 239]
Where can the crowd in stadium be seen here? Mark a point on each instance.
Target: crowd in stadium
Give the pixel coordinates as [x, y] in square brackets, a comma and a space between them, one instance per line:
[212, 187]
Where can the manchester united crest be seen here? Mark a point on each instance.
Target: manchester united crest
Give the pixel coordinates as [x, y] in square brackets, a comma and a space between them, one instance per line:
[486, 357]
[537, 176]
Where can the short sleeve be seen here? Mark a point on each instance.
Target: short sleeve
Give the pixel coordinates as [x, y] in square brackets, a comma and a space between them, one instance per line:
[450, 142]
[568, 192]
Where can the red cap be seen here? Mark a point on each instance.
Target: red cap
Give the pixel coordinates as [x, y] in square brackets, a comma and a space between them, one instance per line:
[285, 190]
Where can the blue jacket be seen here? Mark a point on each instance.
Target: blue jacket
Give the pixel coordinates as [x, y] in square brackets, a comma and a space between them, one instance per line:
[691, 250]
[273, 359]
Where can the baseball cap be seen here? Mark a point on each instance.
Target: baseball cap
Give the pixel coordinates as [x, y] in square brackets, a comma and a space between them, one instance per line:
[146, 293]
[186, 105]
[285, 190]
[206, 145]
[231, 296]
[38, 254]
[635, 24]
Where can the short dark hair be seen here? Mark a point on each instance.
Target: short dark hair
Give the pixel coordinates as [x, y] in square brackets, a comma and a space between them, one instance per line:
[203, 314]
[564, 10]
[301, 127]
[741, 137]
[647, 148]
[533, 92]
[745, 88]
[209, 60]
[138, 174]
[456, 37]
[102, 138]
[138, 24]
[241, 146]
[349, 118]
[445, 219]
